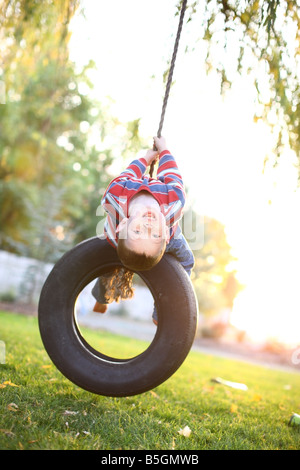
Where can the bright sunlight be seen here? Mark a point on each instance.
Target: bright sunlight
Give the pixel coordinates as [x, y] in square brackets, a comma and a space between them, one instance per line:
[220, 149]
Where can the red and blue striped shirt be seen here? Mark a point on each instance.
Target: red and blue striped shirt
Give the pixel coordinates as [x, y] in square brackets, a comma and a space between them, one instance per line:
[167, 188]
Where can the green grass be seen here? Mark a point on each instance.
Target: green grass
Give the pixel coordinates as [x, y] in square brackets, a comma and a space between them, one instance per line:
[46, 411]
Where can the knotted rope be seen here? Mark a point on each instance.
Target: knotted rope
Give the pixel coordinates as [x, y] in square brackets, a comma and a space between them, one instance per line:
[170, 75]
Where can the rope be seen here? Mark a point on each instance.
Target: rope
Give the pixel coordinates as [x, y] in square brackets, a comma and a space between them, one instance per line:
[169, 81]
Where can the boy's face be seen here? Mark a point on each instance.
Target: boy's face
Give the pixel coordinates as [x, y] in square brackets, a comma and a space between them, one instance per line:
[145, 231]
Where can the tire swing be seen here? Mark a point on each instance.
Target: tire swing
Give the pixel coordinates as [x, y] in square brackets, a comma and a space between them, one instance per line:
[87, 367]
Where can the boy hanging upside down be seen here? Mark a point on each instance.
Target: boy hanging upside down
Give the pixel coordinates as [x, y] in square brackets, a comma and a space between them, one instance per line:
[142, 223]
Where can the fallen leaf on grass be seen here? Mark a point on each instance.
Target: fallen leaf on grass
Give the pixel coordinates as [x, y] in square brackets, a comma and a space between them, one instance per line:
[86, 433]
[154, 394]
[256, 397]
[71, 412]
[7, 432]
[8, 382]
[233, 408]
[236, 385]
[186, 431]
[12, 407]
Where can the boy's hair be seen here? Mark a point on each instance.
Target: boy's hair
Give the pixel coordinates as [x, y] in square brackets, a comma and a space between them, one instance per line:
[138, 261]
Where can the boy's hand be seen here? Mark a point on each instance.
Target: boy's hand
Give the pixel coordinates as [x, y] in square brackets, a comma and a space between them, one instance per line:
[151, 156]
[160, 143]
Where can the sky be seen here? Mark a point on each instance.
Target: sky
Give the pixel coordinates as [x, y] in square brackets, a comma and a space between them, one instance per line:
[219, 149]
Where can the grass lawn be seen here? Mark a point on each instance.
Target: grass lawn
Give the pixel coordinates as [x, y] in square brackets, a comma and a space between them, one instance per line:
[40, 409]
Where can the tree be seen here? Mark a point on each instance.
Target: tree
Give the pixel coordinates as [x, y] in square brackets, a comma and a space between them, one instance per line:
[262, 39]
[213, 276]
[53, 158]
[40, 106]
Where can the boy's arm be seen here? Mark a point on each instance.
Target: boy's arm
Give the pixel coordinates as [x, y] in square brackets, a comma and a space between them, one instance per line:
[136, 169]
[169, 174]
[168, 171]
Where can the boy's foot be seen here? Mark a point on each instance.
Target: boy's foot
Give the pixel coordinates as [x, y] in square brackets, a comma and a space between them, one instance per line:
[99, 308]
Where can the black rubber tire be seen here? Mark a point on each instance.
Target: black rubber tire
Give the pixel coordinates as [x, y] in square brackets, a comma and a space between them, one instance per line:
[90, 369]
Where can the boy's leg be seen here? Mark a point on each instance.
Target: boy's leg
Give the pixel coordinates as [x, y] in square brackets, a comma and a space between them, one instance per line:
[179, 248]
[99, 308]
[98, 292]
[109, 287]
[154, 316]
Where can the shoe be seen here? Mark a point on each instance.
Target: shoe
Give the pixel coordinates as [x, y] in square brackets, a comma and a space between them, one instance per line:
[99, 308]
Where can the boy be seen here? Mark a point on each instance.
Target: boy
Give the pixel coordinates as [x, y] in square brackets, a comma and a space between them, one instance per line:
[142, 218]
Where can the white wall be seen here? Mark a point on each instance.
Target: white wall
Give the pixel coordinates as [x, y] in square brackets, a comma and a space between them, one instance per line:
[140, 307]
[20, 275]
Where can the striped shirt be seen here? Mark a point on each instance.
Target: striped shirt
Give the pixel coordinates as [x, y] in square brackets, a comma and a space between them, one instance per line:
[167, 188]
